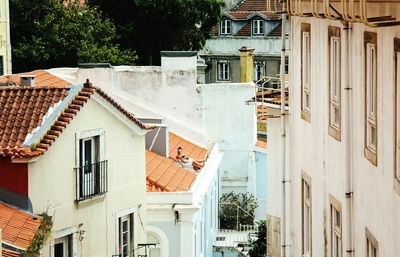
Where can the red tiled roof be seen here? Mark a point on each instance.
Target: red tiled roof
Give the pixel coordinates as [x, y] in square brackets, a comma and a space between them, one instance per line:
[22, 109]
[261, 144]
[166, 174]
[42, 79]
[272, 97]
[245, 31]
[18, 227]
[8, 253]
[246, 8]
[277, 31]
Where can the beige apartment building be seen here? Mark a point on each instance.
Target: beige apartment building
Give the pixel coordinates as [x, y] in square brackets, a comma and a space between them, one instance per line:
[343, 139]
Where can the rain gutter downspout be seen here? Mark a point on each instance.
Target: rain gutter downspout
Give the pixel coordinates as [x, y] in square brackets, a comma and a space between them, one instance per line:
[284, 179]
[349, 144]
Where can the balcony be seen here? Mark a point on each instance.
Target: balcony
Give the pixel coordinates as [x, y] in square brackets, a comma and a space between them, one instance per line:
[91, 180]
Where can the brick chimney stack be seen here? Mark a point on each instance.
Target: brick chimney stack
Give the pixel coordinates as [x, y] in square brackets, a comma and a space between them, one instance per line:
[246, 64]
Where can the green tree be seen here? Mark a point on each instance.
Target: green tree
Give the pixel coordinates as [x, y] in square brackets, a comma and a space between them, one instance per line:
[259, 245]
[150, 26]
[236, 208]
[50, 33]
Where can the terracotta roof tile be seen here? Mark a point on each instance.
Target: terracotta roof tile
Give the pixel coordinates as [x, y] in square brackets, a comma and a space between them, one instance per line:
[165, 174]
[245, 31]
[9, 253]
[42, 79]
[261, 144]
[23, 109]
[276, 32]
[19, 227]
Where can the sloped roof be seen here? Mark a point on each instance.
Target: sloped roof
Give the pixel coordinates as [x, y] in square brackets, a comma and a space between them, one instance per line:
[277, 31]
[18, 227]
[166, 174]
[8, 253]
[42, 79]
[23, 111]
[248, 8]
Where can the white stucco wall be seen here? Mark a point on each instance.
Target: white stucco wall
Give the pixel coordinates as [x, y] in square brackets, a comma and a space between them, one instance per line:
[52, 185]
[376, 203]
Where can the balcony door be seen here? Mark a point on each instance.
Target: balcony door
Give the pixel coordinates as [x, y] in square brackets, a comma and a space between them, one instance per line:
[89, 170]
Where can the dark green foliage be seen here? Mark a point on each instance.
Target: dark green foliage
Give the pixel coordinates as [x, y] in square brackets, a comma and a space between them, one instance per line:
[49, 33]
[41, 236]
[150, 26]
[259, 245]
[233, 205]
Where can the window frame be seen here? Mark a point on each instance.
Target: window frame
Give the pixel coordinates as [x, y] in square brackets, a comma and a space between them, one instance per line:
[131, 233]
[257, 27]
[371, 242]
[396, 115]
[306, 72]
[336, 231]
[262, 70]
[306, 202]
[371, 92]
[228, 29]
[335, 85]
[226, 71]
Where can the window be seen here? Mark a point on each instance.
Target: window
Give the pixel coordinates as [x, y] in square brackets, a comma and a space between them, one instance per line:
[334, 83]
[258, 27]
[223, 71]
[306, 215]
[125, 225]
[259, 70]
[336, 228]
[306, 72]
[62, 246]
[225, 28]
[91, 173]
[370, 44]
[372, 245]
[397, 113]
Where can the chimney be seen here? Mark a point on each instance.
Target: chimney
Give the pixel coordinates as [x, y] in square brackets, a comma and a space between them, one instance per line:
[27, 80]
[246, 64]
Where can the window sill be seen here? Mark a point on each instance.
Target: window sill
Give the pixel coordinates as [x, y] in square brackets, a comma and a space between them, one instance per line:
[335, 133]
[397, 185]
[371, 156]
[306, 116]
[90, 200]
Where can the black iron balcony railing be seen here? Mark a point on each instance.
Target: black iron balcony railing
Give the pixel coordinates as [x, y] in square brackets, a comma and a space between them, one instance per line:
[91, 180]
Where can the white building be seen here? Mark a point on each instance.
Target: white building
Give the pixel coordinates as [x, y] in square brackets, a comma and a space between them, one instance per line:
[74, 153]
[342, 180]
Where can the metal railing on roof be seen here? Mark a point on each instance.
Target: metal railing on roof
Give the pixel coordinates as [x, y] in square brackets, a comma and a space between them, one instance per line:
[348, 11]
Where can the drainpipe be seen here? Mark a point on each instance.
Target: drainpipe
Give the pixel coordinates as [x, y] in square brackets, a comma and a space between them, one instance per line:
[348, 145]
[283, 134]
[8, 39]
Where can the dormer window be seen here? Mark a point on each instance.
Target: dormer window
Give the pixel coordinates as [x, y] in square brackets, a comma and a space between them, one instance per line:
[258, 27]
[225, 27]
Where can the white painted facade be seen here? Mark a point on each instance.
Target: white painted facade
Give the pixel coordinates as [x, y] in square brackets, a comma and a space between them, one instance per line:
[92, 224]
[185, 223]
[321, 159]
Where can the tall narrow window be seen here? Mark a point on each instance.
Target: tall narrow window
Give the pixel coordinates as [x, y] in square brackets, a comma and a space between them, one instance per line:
[223, 71]
[306, 216]
[336, 228]
[125, 225]
[258, 27]
[371, 141]
[372, 245]
[259, 70]
[397, 113]
[306, 71]
[225, 27]
[334, 83]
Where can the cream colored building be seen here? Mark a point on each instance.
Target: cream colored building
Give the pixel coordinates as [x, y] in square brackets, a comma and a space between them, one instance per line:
[342, 183]
[83, 163]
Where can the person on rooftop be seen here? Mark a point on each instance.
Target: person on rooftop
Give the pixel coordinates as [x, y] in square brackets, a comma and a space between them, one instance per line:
[188, 162]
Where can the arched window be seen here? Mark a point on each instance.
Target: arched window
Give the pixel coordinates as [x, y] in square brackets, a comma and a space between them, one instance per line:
[157, 236]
